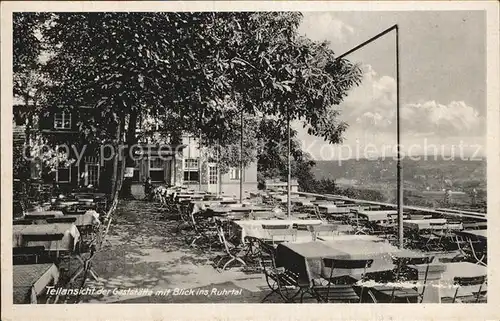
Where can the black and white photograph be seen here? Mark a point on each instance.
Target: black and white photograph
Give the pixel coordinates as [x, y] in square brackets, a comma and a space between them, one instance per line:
[274, 156]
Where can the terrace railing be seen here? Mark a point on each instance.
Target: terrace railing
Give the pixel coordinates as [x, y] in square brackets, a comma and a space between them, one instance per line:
[439, 211]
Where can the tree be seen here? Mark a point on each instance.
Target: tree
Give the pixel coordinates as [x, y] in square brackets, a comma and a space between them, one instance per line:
[229, 151]
[27, 78]
[288, 76]
[26, 45]
[272, 160]
[195, 71]
[27, 93]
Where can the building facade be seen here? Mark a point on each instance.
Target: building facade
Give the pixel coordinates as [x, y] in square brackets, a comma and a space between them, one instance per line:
[165, 163]
[201, 171]
[191, 166]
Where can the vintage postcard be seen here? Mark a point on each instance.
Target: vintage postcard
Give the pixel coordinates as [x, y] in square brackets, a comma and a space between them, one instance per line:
[214, 160]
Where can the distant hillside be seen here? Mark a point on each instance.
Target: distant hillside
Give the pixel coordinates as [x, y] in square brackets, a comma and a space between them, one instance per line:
[419, 175]
[423, 173]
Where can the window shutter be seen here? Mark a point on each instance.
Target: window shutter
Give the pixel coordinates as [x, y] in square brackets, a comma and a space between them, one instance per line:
[166, 170]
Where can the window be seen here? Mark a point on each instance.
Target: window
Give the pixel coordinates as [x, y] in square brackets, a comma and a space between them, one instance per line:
[191, 176]
[92, 170]
[63, 174]
[62, 120]
[191, 163]
[156, 169]
[191, 170]
[213, 179]
[234, 173]
[212, 174]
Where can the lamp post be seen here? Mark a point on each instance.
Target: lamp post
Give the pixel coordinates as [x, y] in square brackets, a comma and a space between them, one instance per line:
[399, 163]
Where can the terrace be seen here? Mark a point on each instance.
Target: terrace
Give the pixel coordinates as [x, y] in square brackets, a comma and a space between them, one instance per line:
[187, 246]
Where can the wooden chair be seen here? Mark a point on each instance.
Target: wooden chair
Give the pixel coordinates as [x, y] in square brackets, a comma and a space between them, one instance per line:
[29, 255]
[471, 249]
[430, 239]
[444, 239]
[40, 217]
[101, 204]
[279, 233]
[280, 281]
[344, 218]
[263, 215]
[300, 227]
[61, 220]
[185, 220]
[235, 216]
[275, 226]
[474, 225]
[361, 226]
[419, 216]
[22, 222]
[282, 235]
[43, 237]
[231, 251]
[480, 296]
[75, 209]
[403, 294]
[252, 252]
[18, 208]
[340, 289]
[207, 232]
[317, 230]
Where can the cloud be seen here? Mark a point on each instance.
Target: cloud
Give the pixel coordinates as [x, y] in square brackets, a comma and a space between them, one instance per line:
[323, 26]
[372, 106]
[373, 102]
[455, 117]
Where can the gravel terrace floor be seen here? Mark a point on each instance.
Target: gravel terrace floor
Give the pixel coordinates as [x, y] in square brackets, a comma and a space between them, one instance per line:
[146, 253]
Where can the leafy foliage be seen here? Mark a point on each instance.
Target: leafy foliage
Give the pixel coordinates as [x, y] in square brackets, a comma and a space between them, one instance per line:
[229, 151]
[26, 45]
[189, 67]
[273, 156]
[195, 73]
[28, 85]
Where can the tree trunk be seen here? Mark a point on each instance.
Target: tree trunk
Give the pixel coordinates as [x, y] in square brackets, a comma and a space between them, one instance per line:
[115, 178]
[131, 140]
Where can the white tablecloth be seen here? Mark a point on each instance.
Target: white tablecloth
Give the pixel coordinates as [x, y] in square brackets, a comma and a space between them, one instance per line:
[377, 215]
[461, 269]
[423, 224]
[254, 227]
[67, 243]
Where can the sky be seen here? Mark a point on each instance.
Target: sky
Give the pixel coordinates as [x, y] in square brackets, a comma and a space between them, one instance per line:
[442, 83]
